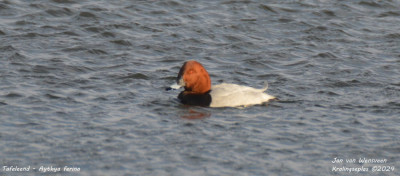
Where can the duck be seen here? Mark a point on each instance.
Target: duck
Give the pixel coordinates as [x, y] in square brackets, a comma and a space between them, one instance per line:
[195, 80]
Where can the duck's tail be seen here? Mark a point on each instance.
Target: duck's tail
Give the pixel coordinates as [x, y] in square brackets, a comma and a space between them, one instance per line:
[265, 86]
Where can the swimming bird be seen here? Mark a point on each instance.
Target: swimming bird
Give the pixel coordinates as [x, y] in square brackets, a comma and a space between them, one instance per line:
[198, 90]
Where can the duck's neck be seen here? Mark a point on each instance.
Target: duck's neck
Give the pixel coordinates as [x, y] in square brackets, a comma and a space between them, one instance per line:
[199, 88]
[203, 85]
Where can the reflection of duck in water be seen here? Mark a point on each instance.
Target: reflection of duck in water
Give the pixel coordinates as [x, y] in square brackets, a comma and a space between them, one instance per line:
[198, 91]
[195, 114]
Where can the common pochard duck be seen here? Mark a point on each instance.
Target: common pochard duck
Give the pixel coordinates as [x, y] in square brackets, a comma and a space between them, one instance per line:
[198, 90]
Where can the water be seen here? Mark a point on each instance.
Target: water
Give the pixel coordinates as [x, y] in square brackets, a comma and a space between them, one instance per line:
[82, 85]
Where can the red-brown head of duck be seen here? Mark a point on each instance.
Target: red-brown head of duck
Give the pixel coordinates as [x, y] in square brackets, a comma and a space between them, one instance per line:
[194, 78]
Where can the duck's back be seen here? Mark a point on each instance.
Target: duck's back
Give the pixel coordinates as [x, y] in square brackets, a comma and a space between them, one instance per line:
[233, 95]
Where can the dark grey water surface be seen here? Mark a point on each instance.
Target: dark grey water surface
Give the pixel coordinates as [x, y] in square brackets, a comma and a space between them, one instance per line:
[82, 84]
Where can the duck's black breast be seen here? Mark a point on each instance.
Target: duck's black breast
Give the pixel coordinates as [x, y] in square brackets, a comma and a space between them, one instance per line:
[195, 99]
